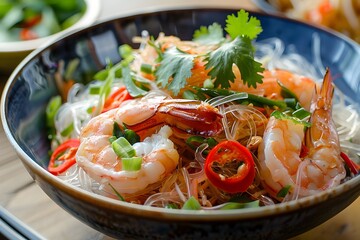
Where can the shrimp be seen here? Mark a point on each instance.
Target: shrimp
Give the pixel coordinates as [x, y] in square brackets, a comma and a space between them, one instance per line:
[159, 156]
[301, 86]
[282, 162]
[190, 116]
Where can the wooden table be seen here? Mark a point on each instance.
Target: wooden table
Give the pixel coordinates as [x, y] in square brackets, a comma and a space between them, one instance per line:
[26, 201]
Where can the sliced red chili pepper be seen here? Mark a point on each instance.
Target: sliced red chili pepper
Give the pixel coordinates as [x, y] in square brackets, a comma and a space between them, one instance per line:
[64, 156]
[116, 98]
[27, 34]
[230, 167]
[354, 168]
[32, 21]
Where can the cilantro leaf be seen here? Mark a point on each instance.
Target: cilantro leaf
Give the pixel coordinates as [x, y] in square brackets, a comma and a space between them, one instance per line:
[212, 34]
[239, 52]
[242, 25]
[177, 65]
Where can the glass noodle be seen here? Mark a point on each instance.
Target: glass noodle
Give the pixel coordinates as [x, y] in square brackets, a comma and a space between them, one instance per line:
[189, 178]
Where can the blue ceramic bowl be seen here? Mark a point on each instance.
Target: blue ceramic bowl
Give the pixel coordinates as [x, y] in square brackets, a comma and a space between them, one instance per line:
[32, 84]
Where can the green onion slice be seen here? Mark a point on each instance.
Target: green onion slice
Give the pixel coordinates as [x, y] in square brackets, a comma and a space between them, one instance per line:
[191, 204]
[51, 110]
[131, 164]
[146, 68]
[68, 130]
[123, 148]
[237, 205]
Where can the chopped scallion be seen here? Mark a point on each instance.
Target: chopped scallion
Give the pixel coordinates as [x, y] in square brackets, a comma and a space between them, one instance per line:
[237, 205]
[146, 68]
[123, 148]
[125, 50]
[68, 130]
[131, 164]
[191, 204]
[172, 206]
[131, 136]
[291, 102]
[94, 90]
[51, 110]
[284, 191]
[301, 113]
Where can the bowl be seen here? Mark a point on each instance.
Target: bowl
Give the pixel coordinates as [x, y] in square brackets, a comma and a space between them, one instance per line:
[31, 85]
[11, 53]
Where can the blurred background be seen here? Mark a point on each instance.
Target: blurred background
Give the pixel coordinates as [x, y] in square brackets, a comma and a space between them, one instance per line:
[340, 15]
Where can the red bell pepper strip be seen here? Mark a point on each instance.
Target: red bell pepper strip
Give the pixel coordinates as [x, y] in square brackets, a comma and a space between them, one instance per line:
[116, 98]
[354, 168]
[230, 167]
[63, 157]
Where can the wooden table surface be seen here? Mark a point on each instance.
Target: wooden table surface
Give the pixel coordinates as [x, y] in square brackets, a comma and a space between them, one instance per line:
[21, 196]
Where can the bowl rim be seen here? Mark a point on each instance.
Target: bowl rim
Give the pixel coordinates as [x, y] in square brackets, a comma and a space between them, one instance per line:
[162, 214]
[91, 14]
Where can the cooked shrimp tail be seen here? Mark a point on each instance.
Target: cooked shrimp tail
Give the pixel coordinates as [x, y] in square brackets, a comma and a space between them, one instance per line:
[282, 162]
[321, 120]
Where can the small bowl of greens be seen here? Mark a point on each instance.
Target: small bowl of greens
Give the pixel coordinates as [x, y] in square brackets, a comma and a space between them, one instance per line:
[25, 25]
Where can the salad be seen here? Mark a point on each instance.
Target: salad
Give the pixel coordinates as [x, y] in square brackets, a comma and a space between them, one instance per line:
[201, 124]
[22, 20]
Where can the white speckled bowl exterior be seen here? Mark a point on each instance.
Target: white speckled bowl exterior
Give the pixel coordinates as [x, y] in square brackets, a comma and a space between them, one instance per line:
[32, 85]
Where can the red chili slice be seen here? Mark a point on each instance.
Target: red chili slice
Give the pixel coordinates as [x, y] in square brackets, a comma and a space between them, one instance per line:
[27, 34]
[63, 157]
[354, 167]
[230, 167]
[116, 98]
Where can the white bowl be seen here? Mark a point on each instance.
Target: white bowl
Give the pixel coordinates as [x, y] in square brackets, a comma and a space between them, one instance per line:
[11, 53]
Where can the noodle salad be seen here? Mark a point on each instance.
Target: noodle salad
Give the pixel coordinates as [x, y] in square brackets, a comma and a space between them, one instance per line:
[204, 124]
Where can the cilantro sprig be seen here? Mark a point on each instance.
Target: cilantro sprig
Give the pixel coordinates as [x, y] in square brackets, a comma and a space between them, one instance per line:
[175, 65]
[243, 25]
[238, 52]
[212, 34]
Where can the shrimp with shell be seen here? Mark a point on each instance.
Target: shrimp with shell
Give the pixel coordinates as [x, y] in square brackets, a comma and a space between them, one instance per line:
[159, 155]
[273, 83]
[284, 164]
